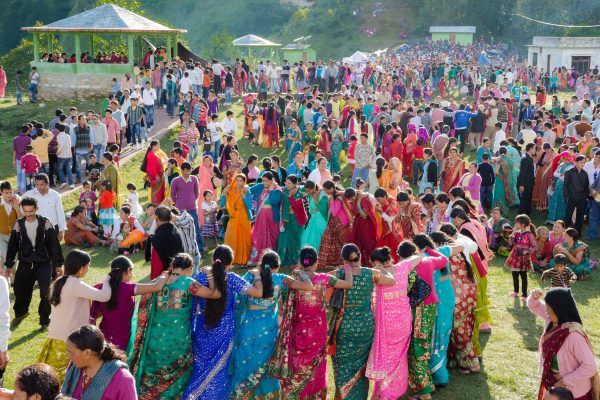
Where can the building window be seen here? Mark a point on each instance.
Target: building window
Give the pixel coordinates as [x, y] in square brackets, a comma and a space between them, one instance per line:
[534, 59]
[581, 64]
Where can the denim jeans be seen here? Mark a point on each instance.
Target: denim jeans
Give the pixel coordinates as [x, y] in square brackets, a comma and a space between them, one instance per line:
[98, 151]
[134, 132]
[215, 151]
[194, 214]
[149, 116]
[362, 173]
[63, 164]
[20, 178]
[594, 221]
[417, 169]
[144, 134]
[171, 101]
[285, 82]
[45, 168]
[486, 195]
[193, 151]
[196, 88]
[78, 158]
[228, 91]
[29, 181]
[33, 89]
[158, 95]
[19, 96]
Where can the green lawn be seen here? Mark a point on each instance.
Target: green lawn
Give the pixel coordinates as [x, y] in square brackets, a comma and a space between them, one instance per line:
[510, 355]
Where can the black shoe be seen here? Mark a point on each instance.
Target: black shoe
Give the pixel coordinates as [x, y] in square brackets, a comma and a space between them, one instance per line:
[17, 321]
[44, 327]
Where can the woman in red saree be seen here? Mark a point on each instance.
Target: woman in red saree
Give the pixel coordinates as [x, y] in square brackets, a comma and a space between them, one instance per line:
[410, 144]
[300, 356]
[337, 229]
[543, 177]
[409, 217]
[566, 354]
[271, 131]
[364, 228]
[452, 169]
[155, 170]
[387, 208]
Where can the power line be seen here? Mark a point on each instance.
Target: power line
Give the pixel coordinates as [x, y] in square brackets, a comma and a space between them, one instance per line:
[552, 24]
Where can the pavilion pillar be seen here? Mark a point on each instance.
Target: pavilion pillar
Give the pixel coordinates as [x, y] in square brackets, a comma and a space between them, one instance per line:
[140, 50]
[92, 51]
[50, 50]
[77, 48]
[175, 50]
[169, 48]
[36, 46]
[130, 52]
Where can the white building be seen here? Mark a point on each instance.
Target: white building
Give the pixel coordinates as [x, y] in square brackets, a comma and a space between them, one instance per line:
[578, 53]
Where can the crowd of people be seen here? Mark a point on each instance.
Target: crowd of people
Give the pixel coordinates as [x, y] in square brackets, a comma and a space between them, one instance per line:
[407, 237]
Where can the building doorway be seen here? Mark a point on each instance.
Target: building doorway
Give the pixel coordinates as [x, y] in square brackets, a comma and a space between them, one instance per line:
[581, 64]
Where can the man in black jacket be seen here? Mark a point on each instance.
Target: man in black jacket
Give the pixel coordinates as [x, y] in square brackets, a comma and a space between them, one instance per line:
[33, 240]
[164, 244]
[577, 190]
[526, 179]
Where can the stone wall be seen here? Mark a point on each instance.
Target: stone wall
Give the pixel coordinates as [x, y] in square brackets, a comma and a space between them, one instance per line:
[64, 86]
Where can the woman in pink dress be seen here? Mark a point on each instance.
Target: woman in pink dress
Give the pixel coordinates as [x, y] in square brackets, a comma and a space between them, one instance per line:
[470, 182]
[299, 359]
[265, 232]
[206, 172]
[388, 360]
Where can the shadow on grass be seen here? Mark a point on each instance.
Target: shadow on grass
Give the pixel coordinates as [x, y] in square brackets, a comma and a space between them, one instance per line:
[26, 338]
[525, 324]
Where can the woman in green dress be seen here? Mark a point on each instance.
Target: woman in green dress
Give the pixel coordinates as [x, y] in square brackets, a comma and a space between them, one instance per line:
[506, 184]
[557, 206]
[337, 141]
[578, 254]
[318, 207]
[293, 220]
[162, 322]
[352, 326]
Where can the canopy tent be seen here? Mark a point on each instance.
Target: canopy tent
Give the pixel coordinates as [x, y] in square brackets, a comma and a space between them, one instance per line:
[483, 60]
[357, 58]
[253, 41]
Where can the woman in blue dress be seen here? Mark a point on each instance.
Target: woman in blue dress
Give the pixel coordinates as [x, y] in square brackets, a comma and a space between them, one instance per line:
[294, 140]
[257, 328]
[213, 327]
[557, 207]
[318, 208]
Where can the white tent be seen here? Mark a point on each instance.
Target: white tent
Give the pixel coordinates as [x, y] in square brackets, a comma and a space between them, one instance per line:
[357, 58]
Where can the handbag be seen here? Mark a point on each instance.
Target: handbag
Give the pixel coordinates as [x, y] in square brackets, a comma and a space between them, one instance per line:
[336, 301]
[418, 292]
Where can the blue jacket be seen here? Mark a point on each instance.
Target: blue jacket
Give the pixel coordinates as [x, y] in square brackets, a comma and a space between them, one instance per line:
[461, 119]
[274, 199]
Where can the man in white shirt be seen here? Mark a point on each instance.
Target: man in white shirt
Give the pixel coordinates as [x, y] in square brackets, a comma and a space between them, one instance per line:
[185, 83]
[64, 158]
[527, 135]
[4, 324]
[228, 124]
[593, 167]
[197, 76]
[217, 69]
[499, 137]
[549, 135]
[274, 76]
[49, 204]
[148, 99]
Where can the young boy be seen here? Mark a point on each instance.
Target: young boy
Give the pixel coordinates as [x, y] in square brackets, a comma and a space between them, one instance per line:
[94, 170]
[560, 275]
[30, 163]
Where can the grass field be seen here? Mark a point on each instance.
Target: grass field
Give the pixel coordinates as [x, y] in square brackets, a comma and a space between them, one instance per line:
[510, 354]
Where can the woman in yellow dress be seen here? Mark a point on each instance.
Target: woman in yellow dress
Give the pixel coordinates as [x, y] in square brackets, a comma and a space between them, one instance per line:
[238, 233]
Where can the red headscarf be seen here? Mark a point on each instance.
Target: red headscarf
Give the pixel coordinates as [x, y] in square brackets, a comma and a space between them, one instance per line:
[565, 155]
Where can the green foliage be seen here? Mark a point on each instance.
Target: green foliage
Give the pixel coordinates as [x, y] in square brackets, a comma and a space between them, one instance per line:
[221, 47]
[131, 5]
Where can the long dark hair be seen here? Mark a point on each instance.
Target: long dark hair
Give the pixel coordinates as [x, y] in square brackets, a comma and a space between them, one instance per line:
[561, 301]
[330, 185]
[118, 266]
[423, 241]
[441, 238]
[380, 163]
[222, 257]
[74, 261]
[90, 337]
[268, 262]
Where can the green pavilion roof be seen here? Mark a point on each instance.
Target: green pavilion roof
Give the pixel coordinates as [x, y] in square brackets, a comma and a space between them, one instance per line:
[107, 18]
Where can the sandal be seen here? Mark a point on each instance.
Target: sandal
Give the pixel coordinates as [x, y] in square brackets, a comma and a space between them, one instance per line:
[468, 371]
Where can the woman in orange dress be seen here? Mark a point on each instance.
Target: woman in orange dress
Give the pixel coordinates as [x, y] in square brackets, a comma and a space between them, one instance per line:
[391, 177]
[238, 234]
[80, 232]
[452, 169]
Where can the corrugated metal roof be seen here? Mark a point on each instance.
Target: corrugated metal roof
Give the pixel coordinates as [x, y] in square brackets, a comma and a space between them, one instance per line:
[106, 18]
[294, 46]
[451, 29]
[253, 40]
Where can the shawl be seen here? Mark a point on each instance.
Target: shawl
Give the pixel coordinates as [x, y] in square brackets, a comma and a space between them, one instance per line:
[565, 155]
[480, 235]
[99, 383]
[166, 242]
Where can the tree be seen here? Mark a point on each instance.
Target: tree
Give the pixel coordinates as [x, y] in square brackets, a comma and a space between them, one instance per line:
[222, 48]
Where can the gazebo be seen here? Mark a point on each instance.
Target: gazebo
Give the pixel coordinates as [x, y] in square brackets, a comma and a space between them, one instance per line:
[253, 41]
[105, 20]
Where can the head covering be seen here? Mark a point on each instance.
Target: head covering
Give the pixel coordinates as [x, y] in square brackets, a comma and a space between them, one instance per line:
[565, 155]
[412, 128]
[561, 301]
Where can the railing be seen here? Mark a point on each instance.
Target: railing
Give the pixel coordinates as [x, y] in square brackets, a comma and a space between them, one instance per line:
[81, 68]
